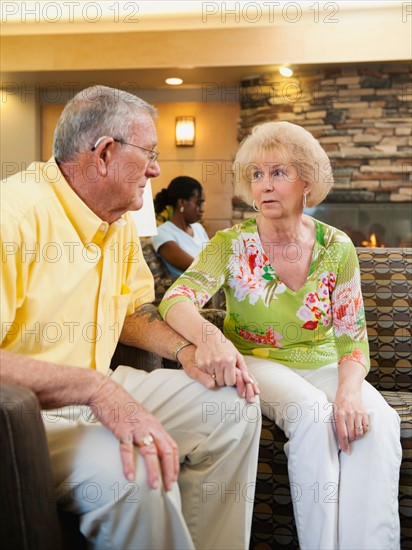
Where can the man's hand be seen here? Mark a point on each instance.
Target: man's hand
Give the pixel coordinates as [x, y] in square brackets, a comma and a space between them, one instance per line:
[187, 358]
[112, 405]
[224, 366]
[134, 426]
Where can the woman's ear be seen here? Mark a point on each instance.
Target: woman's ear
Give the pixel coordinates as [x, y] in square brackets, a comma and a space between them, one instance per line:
[180, 204]
[307, 187]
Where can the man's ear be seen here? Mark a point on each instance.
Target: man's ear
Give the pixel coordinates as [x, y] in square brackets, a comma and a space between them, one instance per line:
[103, 154]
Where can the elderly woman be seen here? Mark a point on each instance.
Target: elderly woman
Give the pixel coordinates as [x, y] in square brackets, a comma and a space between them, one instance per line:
[181, 238]
[295, 323]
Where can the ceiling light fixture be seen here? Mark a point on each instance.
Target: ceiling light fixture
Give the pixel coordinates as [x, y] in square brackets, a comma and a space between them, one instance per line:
[285, 71]
[174, 81]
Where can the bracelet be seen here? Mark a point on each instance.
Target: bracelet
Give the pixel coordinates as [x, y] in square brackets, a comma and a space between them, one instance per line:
[178, 347]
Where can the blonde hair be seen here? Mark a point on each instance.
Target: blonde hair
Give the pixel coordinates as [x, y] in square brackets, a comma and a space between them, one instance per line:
[292, 144]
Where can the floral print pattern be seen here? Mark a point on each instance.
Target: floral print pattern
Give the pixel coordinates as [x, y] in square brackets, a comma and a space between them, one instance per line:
[320, 323]
[348, 312]
[356, 355]
[269, 338]
[250, 271]
[317, 305]
[198, 297]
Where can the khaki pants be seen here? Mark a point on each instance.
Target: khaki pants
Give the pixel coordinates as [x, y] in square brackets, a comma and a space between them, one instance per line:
[210, 507]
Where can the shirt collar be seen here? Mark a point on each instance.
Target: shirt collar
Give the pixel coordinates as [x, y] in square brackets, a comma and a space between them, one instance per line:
[88, 225]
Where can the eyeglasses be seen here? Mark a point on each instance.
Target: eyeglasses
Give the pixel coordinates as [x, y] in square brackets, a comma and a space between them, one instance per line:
[153, 155]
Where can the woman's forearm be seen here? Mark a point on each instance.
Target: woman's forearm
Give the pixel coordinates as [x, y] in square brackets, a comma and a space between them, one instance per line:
[186, 320]
[351, 376]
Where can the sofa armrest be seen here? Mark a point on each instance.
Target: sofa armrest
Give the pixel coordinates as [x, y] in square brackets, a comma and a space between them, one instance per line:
[28, 507]
[216, 316]
[136, 358]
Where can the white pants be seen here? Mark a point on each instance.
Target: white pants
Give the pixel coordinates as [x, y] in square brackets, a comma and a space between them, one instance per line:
[218, 437]
[340, 501]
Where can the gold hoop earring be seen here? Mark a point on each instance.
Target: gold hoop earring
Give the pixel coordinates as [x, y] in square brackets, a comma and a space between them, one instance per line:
[255, 208]
[304, 201]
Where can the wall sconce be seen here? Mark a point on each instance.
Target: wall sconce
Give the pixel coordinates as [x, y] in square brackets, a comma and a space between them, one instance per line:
[185, 131]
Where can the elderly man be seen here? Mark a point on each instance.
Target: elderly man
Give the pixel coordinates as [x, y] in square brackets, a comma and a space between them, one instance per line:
[74, 283]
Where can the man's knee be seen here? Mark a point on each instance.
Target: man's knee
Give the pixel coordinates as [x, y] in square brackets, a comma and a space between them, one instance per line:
[224, 406]
[108, 487]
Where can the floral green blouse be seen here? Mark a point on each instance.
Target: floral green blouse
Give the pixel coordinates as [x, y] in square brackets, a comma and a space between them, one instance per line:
[319, 324]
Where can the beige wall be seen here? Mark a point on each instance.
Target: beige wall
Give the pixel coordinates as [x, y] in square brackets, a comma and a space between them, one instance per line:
[49, 116]
[209, 160]
[20, 132]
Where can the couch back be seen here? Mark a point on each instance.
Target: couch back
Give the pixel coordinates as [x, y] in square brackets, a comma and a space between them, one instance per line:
[386, 275]
[161, 275]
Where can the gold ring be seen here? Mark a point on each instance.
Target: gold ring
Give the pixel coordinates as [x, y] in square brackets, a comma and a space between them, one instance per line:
[359, 428]
[145, 442]
[213, 376]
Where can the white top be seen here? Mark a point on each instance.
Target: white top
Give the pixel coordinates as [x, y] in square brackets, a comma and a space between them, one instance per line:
[168, 231]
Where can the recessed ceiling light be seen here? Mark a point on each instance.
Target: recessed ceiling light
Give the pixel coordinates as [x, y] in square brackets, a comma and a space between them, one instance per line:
[286, 71]
[174, 81]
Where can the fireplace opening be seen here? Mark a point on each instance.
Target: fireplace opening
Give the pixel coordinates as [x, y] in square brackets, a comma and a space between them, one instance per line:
[370, 219]
[370, 224]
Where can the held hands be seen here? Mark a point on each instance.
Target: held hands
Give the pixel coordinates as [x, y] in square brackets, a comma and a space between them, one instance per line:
[134, 426]
[352, 421]
[218, 363]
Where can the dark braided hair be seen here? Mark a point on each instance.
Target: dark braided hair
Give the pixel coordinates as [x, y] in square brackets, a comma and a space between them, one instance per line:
[182, 187]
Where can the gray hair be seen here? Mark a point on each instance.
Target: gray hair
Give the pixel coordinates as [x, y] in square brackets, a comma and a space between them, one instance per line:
[291, 143]
[92, 113]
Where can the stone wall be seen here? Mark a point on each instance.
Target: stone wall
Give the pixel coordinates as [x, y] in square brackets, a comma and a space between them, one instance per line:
[362, 116]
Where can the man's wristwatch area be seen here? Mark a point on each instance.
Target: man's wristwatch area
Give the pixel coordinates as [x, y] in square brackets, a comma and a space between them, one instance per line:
[177, 348]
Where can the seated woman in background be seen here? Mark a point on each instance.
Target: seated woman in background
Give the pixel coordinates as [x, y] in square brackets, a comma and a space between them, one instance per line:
[295, 322]
[181, 239]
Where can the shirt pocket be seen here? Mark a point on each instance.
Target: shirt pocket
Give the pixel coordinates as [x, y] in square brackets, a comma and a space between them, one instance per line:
[118, 309]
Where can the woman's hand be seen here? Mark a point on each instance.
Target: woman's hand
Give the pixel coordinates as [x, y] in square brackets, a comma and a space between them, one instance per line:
[220, 359]
[203, 365]
[216, 361]
[352, 421]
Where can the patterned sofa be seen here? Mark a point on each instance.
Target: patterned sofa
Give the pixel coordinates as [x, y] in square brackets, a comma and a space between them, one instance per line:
[32, 522]
[387, 291]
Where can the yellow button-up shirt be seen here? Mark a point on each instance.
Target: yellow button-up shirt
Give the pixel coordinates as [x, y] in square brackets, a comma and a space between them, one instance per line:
[68, 278]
